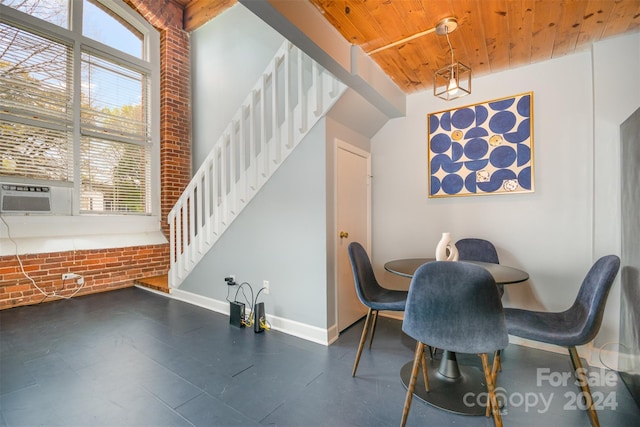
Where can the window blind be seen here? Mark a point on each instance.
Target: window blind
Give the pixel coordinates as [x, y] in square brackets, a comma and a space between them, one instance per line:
[36, 93]
[115, 176]
[115, 145]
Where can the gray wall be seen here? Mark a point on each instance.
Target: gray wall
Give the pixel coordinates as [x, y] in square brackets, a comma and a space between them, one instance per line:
[228, 54]
[281, 237]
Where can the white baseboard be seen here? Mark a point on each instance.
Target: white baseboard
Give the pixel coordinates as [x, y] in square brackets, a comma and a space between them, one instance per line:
[300, 330]
[398, 315]
[287, 326]
[538, 345]
[332, 334]
[153, 291]
[600, 358]
[201, 301]
[629, 363]
[595, 357]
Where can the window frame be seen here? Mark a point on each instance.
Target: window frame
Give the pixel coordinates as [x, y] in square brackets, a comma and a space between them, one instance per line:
[41, 233]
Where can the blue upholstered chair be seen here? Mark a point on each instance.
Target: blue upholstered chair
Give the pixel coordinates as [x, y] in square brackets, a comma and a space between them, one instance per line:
[454, 306]
[371, 294]
[472, 249]
[573, 327]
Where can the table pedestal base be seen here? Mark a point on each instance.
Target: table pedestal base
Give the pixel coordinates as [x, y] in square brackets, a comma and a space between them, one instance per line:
[454, 388]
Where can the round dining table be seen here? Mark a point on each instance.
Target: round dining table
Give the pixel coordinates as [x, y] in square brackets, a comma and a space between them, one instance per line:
[502, 274]
[453, 387]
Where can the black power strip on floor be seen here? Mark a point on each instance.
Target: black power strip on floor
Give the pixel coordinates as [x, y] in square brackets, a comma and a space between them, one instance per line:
[258, 317]
[236, 314]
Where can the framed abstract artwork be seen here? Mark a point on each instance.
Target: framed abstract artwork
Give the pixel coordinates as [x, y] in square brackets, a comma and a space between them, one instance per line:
[482, 149]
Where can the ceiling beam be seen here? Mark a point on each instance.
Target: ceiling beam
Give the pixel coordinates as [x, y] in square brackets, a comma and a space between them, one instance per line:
[199, 12]
[303, 25]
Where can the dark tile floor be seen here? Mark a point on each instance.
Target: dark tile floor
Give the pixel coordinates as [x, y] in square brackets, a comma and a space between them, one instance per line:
[134, 358]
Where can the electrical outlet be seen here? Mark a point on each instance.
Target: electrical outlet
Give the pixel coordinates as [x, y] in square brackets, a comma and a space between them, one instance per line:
[69, 276]
[265, 285]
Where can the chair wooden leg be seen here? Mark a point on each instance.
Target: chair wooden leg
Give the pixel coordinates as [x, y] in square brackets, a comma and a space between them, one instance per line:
[584, 386]
[363, 338]
[491, 389]
[373, 327]
[425, 374]
[417, 360]
[494, 375]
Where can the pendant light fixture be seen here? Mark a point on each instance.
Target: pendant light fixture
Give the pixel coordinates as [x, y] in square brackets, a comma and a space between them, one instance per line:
[454, 80]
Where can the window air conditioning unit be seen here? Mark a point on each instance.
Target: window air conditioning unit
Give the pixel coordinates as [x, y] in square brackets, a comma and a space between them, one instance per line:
[17, 198]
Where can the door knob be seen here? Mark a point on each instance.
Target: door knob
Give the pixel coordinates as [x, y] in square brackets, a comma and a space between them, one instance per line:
[344, 234]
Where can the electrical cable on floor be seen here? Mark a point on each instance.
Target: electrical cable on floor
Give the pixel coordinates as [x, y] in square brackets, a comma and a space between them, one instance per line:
[600, 353]
[264, 324]
[24, 273]
[249, 321]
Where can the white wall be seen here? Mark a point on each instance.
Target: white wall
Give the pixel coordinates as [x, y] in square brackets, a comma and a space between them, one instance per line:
[228, 54]
[336, 130]
[617, 95]
[552, 233]
[547, 232]
[629, 360]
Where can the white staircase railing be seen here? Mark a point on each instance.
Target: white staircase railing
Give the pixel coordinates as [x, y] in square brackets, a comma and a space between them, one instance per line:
[293, 93]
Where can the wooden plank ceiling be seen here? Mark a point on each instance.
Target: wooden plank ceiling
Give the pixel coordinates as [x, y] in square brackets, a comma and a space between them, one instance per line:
[492, 35]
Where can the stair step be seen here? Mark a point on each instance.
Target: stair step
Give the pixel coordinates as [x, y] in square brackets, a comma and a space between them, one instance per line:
[157, 283]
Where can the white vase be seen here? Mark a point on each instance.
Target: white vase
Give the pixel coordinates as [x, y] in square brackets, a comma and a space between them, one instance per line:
[446, 249]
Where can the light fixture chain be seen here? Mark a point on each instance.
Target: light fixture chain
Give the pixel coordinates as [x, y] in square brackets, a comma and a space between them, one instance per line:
[449, 42]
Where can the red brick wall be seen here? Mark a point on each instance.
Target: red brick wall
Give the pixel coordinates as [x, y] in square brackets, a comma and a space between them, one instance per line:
[109, 269]
[175, 102]
[103, 270]
[175, 124]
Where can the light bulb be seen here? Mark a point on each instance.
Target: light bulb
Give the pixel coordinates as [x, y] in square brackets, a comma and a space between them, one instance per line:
[452, 89]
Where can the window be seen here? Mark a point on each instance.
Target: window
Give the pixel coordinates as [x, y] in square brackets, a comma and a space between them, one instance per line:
[36, 123]
[76, 90]
[53, 11]
[98, 23]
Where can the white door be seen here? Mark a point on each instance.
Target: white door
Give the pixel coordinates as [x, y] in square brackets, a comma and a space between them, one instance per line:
[353, 204]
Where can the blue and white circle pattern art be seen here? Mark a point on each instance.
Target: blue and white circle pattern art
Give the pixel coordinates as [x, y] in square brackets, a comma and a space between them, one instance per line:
[482, 149]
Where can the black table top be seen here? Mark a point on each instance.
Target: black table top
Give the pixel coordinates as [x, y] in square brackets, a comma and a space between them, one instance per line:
[502, 274]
